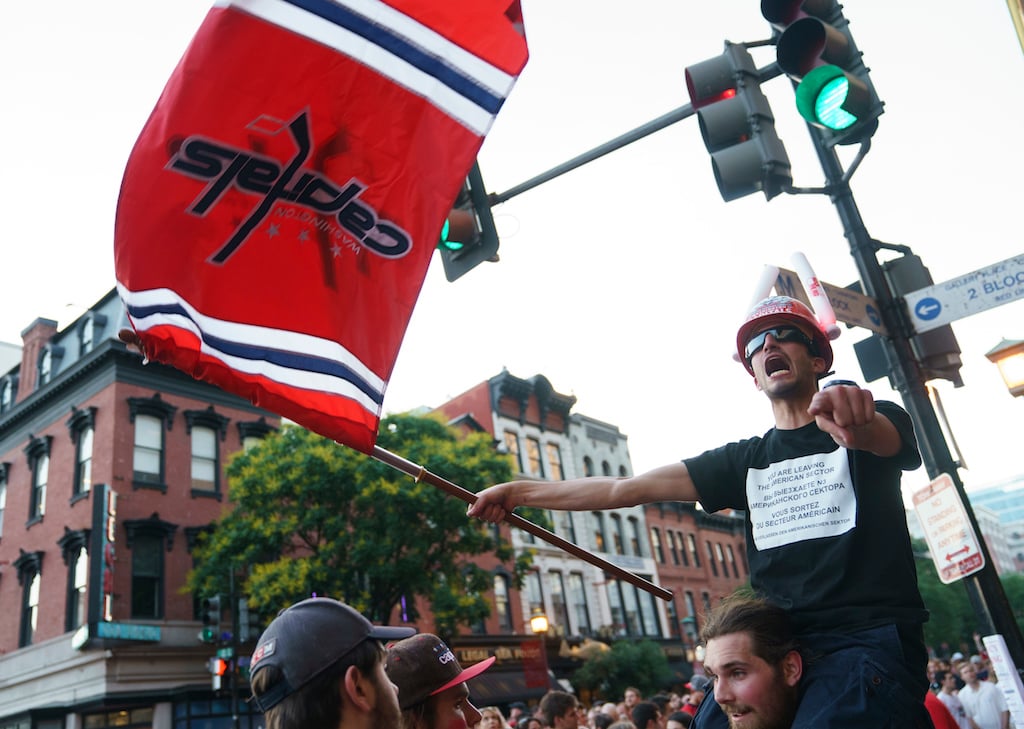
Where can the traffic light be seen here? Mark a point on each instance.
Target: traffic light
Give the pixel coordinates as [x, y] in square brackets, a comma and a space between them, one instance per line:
[738, 125]
[210, 608]
[814, 48]
[218, 668]
[937, 352]
[245, 623]
[468, 237]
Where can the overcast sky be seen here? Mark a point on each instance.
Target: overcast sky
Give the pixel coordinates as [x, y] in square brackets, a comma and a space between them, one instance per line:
[624, 281]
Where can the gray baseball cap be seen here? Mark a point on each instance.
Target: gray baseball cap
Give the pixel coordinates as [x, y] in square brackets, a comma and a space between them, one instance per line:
[309, 637]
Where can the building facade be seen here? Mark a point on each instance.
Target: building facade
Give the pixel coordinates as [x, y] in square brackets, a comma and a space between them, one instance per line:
[1006, 500]
[109, 469]
[533, 423]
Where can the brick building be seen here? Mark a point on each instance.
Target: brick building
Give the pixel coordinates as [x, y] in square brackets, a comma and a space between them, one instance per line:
[531, 421]
[109, 468]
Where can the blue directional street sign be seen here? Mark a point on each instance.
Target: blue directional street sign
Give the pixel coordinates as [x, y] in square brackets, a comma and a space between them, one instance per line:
[995, 285]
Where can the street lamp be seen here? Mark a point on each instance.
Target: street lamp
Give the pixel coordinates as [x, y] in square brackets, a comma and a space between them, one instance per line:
[1009, 356]
[538, 622]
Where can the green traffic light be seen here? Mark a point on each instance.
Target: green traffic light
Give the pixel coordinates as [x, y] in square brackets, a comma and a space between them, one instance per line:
[821, 98]
[452, 245]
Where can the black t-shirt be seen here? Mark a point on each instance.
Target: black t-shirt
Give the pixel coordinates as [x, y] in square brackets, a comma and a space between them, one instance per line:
[827, 536]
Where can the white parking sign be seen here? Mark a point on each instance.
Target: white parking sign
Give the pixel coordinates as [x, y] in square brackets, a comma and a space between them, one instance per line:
[951, 539]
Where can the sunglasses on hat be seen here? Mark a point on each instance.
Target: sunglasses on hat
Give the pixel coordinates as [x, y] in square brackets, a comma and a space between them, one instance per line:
[781, 334]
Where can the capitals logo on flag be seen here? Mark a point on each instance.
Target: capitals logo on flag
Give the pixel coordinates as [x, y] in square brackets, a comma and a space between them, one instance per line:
[280, 207]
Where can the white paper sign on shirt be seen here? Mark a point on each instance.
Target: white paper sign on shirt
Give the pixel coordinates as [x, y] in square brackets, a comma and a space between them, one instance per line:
[801, 498]
[1009, 679]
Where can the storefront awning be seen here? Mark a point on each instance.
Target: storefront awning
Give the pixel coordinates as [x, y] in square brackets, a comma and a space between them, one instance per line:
[493, 688]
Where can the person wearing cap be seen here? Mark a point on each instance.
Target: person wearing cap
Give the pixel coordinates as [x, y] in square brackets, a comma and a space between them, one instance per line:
[516, 711]
[820, 494]
[432, 691]
[698, 686]
[320, 665]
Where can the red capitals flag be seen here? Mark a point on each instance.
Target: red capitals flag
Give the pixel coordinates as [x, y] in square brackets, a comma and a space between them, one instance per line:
[279, 210]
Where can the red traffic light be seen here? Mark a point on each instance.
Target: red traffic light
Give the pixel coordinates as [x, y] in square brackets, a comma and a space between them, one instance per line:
[217, 666]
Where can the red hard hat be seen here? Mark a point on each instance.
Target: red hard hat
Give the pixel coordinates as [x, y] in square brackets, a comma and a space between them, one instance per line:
[783, 310]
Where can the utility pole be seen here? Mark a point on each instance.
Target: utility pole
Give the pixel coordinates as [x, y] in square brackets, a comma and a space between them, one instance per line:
[984, 589]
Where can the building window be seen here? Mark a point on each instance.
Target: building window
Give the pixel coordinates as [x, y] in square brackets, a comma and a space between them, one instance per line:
[691, 542]
[711, 558]
[512, 445]
[579, 601]
[30, 567]
[76, 557]
[148, 539]
[606, 468]
[615, 603]
[706, 599]
[732, 561]
[148, 460]
[45, 367]
[555, 462]
[204, 460]
[88, 337]
[252, 433]
[152, 417]
[81, 426]
[721, 559]
[533, 457]
[38, 453]
[534, 593]
[8, 391]
[567, 526]
[634, 626]
[673, 619]
[633, 613]
[677, 538]
[559, 608]
[4, 469]
[648, 613]
[73, 548]
[656, 549]
[599, 538]
[79, 593]
[588, 466]
[147, 577]
[617, 535]
[673, 545]
[502, 607]
[634, 537]
[87, 334]
[692, 626]
[204, 427]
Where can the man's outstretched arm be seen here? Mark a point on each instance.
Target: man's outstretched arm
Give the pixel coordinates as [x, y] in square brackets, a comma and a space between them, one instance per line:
[667, 483]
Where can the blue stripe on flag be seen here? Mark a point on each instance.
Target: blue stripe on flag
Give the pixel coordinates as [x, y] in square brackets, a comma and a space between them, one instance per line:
[289, 360]
[411, 54]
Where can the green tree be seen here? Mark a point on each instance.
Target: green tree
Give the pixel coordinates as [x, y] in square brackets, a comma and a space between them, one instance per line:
[628, 663]
[313, 517]
[1013, 585]
[951, 617]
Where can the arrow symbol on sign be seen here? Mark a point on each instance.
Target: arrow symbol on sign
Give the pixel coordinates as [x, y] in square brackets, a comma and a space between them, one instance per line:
[963, 550]
[925, 310]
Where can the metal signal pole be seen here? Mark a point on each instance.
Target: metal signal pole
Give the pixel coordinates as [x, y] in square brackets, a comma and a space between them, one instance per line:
[984, 589]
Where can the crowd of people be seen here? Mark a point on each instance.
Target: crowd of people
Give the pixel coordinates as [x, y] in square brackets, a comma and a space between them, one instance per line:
[968, 697]
[562, 710]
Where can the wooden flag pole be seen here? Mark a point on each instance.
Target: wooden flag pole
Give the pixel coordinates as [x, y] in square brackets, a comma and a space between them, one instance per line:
[421, 474]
